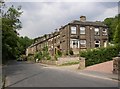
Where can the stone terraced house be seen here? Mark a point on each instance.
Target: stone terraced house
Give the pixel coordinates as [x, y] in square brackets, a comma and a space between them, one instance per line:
[77, 35]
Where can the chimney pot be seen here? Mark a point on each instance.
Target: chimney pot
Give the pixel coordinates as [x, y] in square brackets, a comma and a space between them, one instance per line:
[83, 18]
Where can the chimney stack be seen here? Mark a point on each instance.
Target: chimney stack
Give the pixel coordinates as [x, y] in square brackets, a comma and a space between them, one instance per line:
[82, 18]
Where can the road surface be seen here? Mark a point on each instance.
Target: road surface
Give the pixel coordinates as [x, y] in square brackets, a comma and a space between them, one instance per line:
[22, 74]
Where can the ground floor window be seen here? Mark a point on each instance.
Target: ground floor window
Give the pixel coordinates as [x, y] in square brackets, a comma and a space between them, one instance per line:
[82, 43]
[105, 43]
[97, 43]
[74, 43]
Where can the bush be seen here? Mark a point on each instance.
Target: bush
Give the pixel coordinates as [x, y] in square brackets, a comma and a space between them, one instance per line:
[30, 58]
[100, 55]
[71, 52]
[48, 57]
[38, 55]
[59, 53]
[43, 54]
[23, 57]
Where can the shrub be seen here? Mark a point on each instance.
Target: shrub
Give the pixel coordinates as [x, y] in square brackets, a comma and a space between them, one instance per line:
[23, 57]
[48, 57]
[59, 53]
[56, 57]
[71, 52]
[30, 58]
[100, 55]
[38, 55]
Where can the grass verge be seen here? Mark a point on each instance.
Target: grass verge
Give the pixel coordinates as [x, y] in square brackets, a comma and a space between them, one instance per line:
[69, 63]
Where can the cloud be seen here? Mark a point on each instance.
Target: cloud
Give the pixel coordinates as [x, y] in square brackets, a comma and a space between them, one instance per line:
[42, 18]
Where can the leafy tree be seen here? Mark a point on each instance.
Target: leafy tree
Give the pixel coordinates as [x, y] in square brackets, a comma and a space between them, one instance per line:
[117, 34]
[10, 24]
[112, 23]
[23, 43]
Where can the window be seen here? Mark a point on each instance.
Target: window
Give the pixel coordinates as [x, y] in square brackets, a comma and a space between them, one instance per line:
[104, 32]
[82, 30]
[55, 40]
[74, 43]
[73, 30]
[82, 43]
[105, 43]
[97, 31]
[97, 43]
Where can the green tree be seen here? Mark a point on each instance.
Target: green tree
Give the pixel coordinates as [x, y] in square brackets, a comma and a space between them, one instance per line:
[10, 25]
[112, 23]
[117, 34]
[23, 43]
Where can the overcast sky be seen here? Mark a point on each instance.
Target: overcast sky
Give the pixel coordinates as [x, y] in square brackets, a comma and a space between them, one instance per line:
[40, 18]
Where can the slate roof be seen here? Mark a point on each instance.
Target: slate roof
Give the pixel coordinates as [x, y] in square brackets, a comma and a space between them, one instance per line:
[88, 23]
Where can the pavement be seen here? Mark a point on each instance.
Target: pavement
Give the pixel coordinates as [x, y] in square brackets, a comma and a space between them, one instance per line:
[22, 74]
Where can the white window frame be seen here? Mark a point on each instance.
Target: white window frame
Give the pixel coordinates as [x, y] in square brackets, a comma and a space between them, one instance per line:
[73, 30]
[83, 42]
[105, 43]
[72, 43]
[104, 32]
[97, 31]
[82, 30]
[97, 43]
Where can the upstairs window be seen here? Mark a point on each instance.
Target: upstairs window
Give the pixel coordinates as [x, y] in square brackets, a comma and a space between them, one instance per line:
[82, 30]
[104, 32]
[97, 43]
[82, 43]
[73, 30]
[97, 32]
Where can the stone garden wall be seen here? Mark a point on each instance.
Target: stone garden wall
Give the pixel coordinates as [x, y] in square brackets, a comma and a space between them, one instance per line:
[116, 66]
[61, 60]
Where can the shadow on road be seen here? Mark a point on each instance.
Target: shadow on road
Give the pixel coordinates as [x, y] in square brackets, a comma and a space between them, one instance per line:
[24, 79]
[15, 69]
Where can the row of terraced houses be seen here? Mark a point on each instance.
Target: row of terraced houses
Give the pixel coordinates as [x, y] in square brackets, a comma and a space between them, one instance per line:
[77, 35]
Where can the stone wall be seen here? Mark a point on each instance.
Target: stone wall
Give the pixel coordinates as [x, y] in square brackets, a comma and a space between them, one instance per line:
[49, 62]
[116, 66]
[61, 60]
[82, 63]
[67, 59]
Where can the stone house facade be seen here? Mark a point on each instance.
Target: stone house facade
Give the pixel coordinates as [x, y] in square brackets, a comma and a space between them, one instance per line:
[77, 35]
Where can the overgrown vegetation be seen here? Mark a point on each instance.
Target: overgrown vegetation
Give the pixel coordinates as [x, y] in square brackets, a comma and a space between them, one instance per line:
[30, 57]
[58, 54]
[71, 52]
[12, 45]
[100, 55]
[117, 35]
[42, 54]
[112, 24]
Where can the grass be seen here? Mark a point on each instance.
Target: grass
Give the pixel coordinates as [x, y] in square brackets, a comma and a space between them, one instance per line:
[70, 63]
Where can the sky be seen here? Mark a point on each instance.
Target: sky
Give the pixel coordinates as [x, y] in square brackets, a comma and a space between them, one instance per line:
[41, 18]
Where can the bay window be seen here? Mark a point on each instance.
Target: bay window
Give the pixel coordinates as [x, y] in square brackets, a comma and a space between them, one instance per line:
[97, 43]
[74, 43]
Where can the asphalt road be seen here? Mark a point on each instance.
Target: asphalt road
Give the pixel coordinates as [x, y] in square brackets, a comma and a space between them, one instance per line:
[21, 74]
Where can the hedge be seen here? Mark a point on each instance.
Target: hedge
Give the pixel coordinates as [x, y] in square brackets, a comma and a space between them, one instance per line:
[95, 56]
